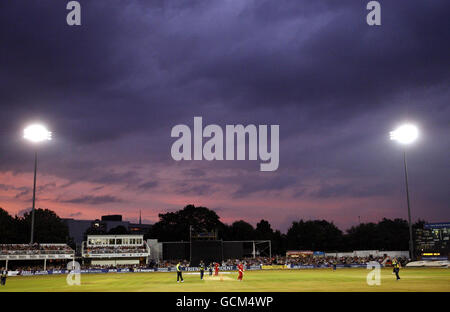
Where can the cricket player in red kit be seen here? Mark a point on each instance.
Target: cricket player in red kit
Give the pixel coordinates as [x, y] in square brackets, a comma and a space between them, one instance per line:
[240, 271]
[216, 269]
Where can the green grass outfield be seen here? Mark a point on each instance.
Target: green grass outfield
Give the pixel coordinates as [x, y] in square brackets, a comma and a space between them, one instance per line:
[351, 279]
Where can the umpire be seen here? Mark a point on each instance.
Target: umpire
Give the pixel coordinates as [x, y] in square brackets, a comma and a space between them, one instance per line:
[396, 266]
[179, 275]
[4, 275]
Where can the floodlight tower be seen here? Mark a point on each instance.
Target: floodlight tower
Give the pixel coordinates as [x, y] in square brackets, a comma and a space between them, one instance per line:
[36, 134]
[406, 134]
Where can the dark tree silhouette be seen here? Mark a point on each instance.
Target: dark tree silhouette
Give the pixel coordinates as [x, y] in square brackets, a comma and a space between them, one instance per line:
[363, 236]
[241, 230]
[279, 243]
[314, 235]
[8, 228]
[384, 235]
[264, 230]
[48, 227]
[173, 226]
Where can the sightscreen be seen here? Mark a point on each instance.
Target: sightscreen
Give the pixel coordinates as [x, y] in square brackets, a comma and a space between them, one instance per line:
[208, 251]
[233, 250]
[176, 251]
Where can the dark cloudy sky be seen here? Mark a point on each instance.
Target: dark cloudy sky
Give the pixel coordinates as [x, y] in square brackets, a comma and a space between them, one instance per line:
[112, 89]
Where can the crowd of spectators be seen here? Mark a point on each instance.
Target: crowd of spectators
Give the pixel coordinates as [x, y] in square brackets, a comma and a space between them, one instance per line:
[64, 266]
[302, 260]
[34, 249]
[318, 260]
[277, 260]
[35, 268]
[171, 263]
[112, 267]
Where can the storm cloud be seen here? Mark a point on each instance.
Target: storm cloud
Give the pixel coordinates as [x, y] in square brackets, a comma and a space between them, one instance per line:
[111, 89]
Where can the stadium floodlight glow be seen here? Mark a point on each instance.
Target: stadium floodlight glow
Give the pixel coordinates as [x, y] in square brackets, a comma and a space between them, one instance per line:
[37, 133]
[405, 134]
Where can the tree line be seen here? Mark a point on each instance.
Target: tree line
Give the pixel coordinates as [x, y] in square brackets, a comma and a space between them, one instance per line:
[318, 235]
[48, 228]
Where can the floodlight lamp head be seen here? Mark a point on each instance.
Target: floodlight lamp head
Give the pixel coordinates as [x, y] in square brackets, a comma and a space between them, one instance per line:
[405, 134]
[37, 133]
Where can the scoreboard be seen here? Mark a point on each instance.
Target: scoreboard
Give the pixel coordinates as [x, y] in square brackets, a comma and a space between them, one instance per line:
[433, 241]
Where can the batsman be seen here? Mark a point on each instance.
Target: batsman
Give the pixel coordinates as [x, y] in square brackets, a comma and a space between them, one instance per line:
[240, 271]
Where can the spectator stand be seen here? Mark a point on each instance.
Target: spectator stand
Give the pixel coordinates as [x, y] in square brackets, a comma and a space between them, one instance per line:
[10, 252]
[113, 250]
